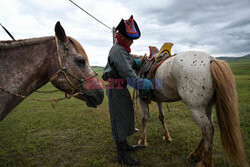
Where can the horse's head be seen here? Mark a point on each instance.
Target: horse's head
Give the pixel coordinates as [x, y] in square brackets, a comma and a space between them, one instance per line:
[73, 73]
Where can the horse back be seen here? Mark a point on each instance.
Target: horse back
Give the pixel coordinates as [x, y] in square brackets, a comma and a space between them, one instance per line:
[185, 76]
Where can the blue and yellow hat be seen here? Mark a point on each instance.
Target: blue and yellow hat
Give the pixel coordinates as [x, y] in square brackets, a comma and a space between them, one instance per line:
[129, 28]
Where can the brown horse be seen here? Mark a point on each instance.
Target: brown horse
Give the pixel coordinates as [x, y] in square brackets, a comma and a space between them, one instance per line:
[28, 64]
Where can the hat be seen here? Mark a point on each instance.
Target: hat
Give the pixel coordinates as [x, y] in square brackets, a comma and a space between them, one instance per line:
[129, 28]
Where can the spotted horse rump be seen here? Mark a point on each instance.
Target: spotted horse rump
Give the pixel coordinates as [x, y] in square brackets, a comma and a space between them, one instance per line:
[200, 81]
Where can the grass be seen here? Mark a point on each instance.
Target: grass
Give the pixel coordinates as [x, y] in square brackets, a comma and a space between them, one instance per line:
[240, 67]
[71, 134]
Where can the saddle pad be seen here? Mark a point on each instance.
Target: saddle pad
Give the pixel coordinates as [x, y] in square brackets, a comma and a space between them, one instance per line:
[158, 65]
[146, 68]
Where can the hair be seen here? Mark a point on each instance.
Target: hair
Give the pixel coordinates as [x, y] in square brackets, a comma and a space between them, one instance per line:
[227, 112]
[79, 48]
[11, 44]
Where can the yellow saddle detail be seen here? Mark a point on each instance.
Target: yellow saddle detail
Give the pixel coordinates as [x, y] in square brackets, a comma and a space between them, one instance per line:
[165, 49]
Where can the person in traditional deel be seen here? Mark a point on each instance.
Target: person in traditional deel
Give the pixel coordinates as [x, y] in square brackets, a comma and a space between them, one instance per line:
[118, 73]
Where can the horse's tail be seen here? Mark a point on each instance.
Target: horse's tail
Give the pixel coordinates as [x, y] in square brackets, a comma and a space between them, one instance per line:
[227, 112]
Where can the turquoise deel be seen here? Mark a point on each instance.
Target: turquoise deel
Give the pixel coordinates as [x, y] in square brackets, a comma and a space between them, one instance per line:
[146, 87]
[138, 63]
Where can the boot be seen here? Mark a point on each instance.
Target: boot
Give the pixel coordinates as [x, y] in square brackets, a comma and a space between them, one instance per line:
[123, 156]
[131, 148]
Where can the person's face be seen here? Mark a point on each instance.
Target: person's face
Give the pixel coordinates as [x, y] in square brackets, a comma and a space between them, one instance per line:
[126, 40]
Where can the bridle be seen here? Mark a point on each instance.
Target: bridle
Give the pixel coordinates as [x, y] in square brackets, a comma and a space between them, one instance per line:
[63, 70]
[65, 73]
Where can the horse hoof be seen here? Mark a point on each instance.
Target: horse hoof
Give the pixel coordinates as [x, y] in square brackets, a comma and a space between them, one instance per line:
[142, 143]
[200, 164]
[190, 156]
[169, 139]
[193, 157]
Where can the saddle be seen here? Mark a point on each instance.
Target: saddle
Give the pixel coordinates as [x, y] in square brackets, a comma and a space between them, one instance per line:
[151, 64]
[155, 59]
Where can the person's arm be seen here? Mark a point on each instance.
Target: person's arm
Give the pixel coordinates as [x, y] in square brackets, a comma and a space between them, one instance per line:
[136, 63]
[122, 62]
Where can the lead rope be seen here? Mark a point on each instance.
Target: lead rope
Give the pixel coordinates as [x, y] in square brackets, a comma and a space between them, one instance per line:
[8, 32]
[167, 107]
[54, 101]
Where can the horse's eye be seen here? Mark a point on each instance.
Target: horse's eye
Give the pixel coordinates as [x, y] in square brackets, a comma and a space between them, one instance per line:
[80, 62]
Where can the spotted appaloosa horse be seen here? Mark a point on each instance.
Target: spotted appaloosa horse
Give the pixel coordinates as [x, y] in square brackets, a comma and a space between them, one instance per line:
[28, 64]
[200, 81]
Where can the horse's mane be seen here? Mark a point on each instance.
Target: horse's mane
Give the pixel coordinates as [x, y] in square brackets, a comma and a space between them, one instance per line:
[79, 48]
[10, 44]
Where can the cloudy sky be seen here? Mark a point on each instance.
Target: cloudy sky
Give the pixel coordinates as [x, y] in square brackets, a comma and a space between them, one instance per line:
[218, 27]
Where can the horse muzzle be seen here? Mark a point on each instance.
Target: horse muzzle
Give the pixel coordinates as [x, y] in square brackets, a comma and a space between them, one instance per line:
[96, 99]
[92, 93]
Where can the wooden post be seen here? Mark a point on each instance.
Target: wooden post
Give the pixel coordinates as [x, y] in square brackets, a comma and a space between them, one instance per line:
[113, 31]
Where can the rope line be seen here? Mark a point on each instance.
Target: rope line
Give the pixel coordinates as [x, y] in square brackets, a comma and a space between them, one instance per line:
[51, 91]
[90, 14]
[7, 32]
[33, 99]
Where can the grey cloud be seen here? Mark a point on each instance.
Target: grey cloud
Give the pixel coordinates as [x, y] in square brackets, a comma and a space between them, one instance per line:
[215, 26]
[195, 12]
[239, 23]
[222, 26]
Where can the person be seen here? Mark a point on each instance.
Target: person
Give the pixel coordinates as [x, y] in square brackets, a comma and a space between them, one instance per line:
[118, 73]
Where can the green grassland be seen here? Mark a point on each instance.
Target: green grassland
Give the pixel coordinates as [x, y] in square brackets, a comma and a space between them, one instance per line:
[71, 134]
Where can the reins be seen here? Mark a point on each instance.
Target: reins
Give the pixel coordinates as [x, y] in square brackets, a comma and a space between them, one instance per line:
[65, 73]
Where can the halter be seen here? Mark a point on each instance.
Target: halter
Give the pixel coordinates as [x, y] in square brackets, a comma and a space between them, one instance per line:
[62, 69]
[65, 74]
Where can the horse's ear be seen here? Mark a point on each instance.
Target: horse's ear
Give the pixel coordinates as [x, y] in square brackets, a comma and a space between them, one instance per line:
[60, 33]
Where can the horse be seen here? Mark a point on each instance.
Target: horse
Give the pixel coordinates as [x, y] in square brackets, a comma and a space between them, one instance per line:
[200, 81]
[28, 64]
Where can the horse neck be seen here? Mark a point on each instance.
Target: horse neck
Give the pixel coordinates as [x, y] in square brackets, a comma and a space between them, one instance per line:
[25, 68]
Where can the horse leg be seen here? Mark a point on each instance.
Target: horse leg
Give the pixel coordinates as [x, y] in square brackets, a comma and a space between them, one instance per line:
[196, 156]
[166, 134]
[207, 128]
[143, 140]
